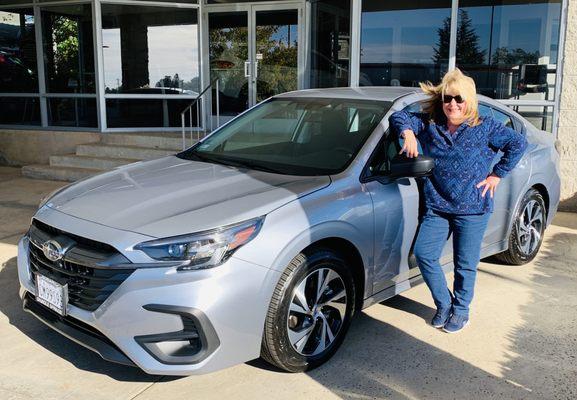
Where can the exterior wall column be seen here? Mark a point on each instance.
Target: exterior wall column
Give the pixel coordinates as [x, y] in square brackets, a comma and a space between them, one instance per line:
[567, 131]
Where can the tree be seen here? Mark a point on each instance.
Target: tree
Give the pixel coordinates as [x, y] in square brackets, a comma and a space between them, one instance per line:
[504, 55]
[468, 51]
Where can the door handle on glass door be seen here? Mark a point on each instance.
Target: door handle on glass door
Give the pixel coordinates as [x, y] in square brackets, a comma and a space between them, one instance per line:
[247, 69]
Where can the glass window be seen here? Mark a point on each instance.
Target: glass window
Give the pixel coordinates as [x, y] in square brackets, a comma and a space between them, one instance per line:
[18, 68]
[296, 136]
[150, 50]
[404, 43]
[485, 111]
[147, 113]
[503, 118]
[276, 52]
[74, 112]
[510, 47]
[68, 48]
[228, 52]
[330, 43]
[19, 111]
[539, 116]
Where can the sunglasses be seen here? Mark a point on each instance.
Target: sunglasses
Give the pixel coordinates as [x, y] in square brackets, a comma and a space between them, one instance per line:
[448, 98]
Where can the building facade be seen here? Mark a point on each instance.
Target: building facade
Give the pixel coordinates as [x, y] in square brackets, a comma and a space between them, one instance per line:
[105, 66]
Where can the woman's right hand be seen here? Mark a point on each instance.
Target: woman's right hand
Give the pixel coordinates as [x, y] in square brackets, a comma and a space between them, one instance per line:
[410, 147]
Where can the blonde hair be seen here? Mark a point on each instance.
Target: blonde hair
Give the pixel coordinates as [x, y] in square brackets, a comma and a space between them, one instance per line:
[460, 83]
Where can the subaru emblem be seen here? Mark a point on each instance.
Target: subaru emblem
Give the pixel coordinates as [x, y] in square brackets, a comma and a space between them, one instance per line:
[52, 250]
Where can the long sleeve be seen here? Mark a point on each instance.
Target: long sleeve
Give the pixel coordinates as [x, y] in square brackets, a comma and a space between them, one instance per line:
[510, 142]
[402, 120]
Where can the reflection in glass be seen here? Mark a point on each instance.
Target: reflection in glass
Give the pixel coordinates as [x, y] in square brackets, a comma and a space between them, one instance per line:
[75, 112]
[404, 43]
[228, 52]
[19, 111]
[510, 49]
[276, 52]
[147, 113]
[150, 50]
[68, 48]
[330, 43]
[540, 116]
[18, 69]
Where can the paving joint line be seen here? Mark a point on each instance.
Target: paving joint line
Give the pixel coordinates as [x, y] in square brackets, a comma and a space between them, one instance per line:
[145, 389]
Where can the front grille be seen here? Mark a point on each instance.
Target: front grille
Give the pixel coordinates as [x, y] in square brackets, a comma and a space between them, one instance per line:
[89, 271]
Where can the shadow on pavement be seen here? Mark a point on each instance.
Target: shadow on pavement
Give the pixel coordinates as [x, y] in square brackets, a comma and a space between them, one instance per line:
[410, 306]
[378, 360]
[544, 355]
[11, 307]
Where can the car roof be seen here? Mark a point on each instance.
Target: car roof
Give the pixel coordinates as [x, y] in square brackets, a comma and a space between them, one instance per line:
[381, 93]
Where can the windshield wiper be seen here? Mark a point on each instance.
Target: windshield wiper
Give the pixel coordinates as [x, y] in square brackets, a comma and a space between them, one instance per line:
[250, 165]
[232, 163]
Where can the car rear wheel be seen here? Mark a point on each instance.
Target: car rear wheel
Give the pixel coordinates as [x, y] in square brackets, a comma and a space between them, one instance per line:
[310, 311]
[527, 233]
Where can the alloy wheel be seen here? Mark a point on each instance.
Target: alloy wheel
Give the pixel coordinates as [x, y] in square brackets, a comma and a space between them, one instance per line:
[316, 312]
[530, 227]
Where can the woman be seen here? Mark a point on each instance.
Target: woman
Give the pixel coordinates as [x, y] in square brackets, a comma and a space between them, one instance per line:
[459, 193]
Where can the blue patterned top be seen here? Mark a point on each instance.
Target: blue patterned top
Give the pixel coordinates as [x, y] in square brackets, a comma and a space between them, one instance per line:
[462, 159]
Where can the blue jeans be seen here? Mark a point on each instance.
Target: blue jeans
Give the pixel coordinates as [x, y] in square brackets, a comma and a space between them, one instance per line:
[468, 231]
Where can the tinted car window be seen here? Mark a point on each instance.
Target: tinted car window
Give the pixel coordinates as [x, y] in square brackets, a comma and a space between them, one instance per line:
[295, 136]
[503, 118]
[485, 111]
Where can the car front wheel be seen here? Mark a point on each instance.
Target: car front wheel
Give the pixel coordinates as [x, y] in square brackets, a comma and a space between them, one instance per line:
[310, 311]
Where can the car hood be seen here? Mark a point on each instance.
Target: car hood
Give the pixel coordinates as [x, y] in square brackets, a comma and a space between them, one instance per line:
[171, 196]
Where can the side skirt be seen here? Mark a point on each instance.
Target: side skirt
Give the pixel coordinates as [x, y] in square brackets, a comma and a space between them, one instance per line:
[398, 288]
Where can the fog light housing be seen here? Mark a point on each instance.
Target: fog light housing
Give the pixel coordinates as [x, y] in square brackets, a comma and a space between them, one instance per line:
[196, 341]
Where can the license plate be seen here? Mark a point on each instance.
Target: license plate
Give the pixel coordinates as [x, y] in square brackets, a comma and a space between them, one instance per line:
[52, 294]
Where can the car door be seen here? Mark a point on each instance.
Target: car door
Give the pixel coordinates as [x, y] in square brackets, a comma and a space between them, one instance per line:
[395, 213]
[508, 190]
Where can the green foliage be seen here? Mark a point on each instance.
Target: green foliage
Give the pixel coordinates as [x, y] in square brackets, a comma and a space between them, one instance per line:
[468, 49]
[504, 55]
[65, 40]
[277, 69]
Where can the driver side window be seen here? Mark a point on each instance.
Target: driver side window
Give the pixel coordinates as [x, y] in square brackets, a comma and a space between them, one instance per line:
[390, 146]
[386, 150]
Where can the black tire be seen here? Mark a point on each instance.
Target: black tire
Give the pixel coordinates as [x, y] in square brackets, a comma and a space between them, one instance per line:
[517, 253]
[277, 348]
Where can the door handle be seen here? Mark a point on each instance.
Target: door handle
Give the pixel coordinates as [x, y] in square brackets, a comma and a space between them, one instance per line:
[247, 69]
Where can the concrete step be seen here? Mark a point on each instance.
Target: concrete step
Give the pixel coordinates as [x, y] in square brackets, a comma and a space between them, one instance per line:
[167, 141]
[88, 162]
[114, 151]
[53, 173]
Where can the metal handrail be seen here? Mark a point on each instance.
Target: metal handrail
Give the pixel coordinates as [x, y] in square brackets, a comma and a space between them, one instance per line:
[196, 102]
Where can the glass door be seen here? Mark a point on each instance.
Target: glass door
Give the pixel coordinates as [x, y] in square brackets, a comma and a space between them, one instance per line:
[228, 50]
[254, 52]
[276, 52]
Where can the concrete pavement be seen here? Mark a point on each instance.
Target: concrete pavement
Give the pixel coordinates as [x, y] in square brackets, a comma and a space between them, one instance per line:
[521, 344]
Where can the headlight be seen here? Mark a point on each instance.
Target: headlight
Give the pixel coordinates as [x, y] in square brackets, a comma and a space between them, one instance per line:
[203, 249]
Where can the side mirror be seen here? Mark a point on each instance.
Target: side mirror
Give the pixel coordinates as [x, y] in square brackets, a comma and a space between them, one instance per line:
[403, 167]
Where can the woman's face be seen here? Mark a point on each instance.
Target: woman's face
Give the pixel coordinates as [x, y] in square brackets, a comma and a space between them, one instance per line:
[454, 111]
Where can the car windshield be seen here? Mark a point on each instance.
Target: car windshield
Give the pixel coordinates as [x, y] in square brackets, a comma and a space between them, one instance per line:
[294, 136]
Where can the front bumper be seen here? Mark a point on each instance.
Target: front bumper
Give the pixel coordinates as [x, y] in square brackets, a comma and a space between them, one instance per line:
[140, 323]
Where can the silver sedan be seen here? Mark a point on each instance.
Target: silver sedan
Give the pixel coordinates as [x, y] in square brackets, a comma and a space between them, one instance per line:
[263, 239]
